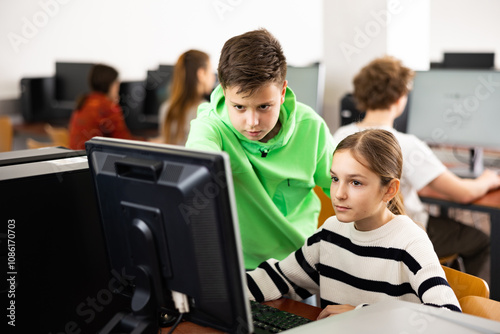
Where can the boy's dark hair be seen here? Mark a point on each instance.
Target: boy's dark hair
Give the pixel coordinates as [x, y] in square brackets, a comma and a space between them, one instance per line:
[251, 60]
[381, 83]
[101, 77]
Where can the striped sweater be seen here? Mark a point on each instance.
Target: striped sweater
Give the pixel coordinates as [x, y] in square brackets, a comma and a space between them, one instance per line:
[347, 266]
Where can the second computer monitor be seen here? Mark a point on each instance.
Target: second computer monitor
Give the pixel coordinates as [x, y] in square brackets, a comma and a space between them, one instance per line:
[456, 107]
[169, 219]
[307, 82]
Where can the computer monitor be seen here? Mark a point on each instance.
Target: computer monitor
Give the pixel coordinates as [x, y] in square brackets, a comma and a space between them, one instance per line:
[308, 83]
[458, 108]
[469, 60]
[72, 81]
[168, 215]
[157, 89]
[56, 276]
[349, 113]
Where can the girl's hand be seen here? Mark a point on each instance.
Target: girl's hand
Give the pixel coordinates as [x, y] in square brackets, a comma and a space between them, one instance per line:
[334, 309]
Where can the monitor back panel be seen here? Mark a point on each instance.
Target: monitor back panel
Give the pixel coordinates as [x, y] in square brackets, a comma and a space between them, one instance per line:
[62, 278]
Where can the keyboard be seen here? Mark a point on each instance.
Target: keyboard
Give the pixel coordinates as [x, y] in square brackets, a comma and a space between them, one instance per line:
[268, 319]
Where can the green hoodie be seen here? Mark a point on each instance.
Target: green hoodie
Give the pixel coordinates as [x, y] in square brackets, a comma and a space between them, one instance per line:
[276, 203]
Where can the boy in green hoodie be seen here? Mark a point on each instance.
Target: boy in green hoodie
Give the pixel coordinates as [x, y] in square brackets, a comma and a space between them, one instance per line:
[279, 148]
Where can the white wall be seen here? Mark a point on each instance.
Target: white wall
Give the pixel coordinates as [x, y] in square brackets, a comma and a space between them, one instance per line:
[465, 26]
[135, 36]
[418, 31]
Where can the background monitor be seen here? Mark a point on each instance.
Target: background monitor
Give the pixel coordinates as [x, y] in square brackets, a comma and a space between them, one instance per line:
[72, 81]
[455, 107]
[469, 60]
[157, 89]
[169, 219]
[350, 113]
[308, 82]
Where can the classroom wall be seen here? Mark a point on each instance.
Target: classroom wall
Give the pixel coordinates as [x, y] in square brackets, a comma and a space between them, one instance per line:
[137, 36]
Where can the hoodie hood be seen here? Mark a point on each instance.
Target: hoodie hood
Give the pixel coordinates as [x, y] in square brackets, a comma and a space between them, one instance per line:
[218, 106]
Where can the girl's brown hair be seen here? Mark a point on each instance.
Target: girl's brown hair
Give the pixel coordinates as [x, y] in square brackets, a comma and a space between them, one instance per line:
[379, 151]
[184, 94]
[381, 83]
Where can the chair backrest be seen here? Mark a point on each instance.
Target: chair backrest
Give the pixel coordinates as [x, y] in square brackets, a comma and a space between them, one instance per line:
[6, 134]
[481, 307]
[326, 206]
[464, 284]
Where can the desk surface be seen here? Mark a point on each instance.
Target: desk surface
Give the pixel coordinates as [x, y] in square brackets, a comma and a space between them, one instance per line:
[491, 199]
[284, 304]
[397, 317]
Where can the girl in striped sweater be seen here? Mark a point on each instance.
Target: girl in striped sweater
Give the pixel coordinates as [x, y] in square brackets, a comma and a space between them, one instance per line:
[369, 251]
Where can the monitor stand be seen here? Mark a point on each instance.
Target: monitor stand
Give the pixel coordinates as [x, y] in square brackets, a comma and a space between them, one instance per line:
[476, 164]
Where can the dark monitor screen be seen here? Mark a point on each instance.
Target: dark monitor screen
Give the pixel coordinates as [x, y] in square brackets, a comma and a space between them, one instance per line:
[59, 277]
[469, 60]
[71, 81]
[157, 88]
[168, 215]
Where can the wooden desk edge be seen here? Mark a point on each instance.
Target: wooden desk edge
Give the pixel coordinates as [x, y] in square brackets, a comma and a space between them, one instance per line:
[491, 199]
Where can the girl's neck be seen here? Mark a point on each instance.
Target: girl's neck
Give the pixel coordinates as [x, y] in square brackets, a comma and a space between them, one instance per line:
[375, 221]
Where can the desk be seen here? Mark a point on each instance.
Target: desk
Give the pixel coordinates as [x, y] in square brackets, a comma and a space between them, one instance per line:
[284, 304]
[398, 317]
[489, 203]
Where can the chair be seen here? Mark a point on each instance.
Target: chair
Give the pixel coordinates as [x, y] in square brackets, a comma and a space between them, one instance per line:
[464, 284]
[481, 307]
[326, 206]
[6, 134]
[452, 260]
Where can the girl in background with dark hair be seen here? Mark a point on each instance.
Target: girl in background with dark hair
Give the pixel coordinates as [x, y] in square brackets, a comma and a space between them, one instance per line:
[192, 83]
[98, 113]
[369, 251]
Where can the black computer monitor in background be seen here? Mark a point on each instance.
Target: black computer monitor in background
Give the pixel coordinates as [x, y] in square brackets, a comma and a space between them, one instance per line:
[72, 81]
[157, 89]
[458, 108]
[169, 218]
[469, 60]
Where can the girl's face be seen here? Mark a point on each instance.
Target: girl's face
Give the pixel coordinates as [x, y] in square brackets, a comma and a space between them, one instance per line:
[114, 91]
[357, 194]
[255, 116]
[206, 79]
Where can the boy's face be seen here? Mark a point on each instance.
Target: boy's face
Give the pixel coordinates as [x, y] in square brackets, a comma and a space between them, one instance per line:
[256, 116]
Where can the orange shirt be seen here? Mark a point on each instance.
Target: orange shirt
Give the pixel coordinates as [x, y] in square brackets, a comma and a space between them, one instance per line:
[99, 116]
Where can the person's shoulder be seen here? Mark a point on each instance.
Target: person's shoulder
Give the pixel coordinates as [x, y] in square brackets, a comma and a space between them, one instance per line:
[409, 232]
[345, 131]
